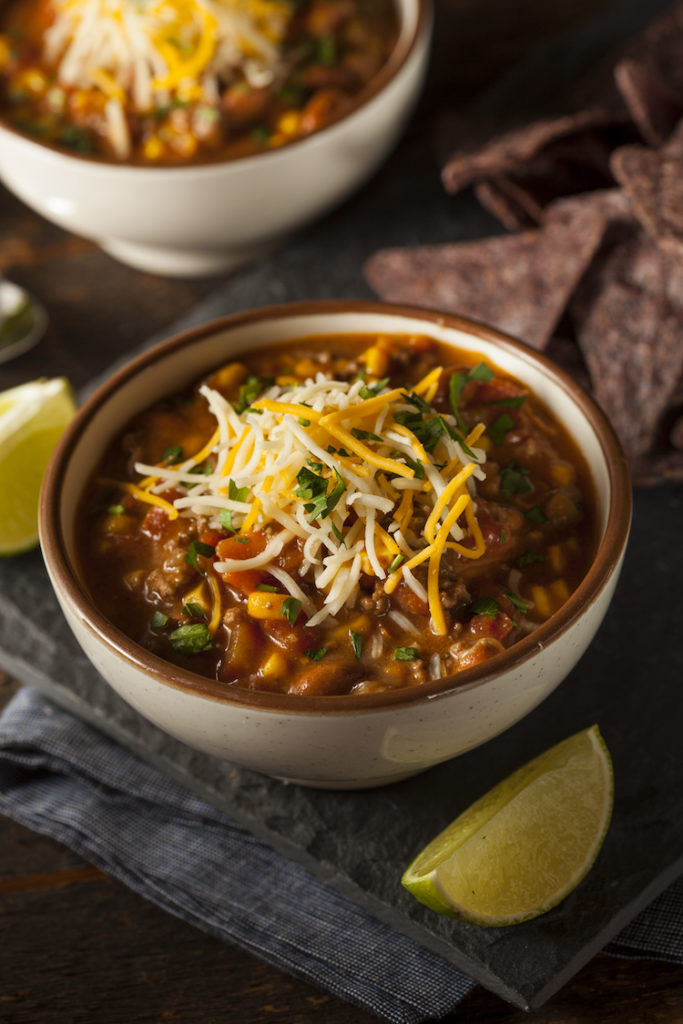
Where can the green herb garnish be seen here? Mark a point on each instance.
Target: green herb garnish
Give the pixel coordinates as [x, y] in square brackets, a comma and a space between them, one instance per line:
[513, 480]
[364, 435]
[192, 639]
[528, 558]
[536, 515]
[291, 606]
[396, 562]
[356, 643]
[267, 588]
[370, 390]
[173, 455]
[485, 606]
[317, 654]
[500, 427]
[405, 653]
[159, 620]
[225, 518]
[236, 493]
[193, 610]
[517, 602]
[198, 547]
[115, 510]
[252, 387]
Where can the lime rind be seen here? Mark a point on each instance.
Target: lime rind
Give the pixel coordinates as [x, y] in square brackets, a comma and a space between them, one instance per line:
[32, 419]
[525, 845]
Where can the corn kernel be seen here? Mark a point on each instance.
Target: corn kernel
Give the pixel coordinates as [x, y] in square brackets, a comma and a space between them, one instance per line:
[484, 443]
[263, 605]
[361, 624]
[560, 592]
[376, 361]
[563, 474]
[31, 80]
[557, 557]
[305, 368]
[286, 380]
[229, 376]
[289, 123]
[541, 600]
[274, 666]
[152, 148]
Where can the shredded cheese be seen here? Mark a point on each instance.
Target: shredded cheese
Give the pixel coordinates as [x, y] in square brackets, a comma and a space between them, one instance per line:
[143, 54]
[317, 461]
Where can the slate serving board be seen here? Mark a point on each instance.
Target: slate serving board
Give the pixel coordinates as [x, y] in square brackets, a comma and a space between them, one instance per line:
[628, 682]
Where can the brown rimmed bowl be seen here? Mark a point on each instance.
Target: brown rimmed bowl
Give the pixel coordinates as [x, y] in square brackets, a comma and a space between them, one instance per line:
[337, 741]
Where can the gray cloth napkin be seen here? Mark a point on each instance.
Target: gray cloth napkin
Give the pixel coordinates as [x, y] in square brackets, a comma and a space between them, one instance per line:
[63, 778]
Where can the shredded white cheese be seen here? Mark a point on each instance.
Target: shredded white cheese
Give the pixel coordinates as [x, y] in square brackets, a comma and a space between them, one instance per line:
[319, 462]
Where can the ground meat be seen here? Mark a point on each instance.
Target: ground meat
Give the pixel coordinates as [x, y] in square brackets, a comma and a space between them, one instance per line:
[377, 602]
[172, 578]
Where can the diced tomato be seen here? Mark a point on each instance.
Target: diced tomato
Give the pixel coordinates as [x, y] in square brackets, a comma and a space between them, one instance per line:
[240, 547]
[497, 627]
[244, 580]
[480, 392]
[499, 533]
[409, 602]
[480, 651]
[211, 537]
[156, 524]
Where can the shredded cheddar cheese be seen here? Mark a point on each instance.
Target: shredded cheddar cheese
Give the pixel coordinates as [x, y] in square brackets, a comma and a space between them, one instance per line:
[345, 474]
[144, 54]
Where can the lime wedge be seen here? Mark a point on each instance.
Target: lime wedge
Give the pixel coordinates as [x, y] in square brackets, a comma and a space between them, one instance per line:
[32, 418]
[523, 847]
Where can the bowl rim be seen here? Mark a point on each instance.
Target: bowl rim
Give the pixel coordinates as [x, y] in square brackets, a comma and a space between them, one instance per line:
[378, 83]
[65, 577]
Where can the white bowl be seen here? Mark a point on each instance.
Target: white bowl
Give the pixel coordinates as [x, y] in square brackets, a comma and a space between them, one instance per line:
[346, 741]
[204, 219]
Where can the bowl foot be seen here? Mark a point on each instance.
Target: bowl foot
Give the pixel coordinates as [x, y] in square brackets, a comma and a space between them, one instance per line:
[170, 262]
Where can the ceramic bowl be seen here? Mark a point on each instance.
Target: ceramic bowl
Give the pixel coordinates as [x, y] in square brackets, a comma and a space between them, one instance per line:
[204, 219]
[337, 741]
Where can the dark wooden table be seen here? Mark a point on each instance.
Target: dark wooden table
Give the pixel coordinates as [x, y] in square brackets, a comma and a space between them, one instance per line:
[76, 945]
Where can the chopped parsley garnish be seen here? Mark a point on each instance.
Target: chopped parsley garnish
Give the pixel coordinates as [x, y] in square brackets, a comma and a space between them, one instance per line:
[317, 654]
[512, 402]
[457, 383]
[536, 515]
[396, 562]
[192, 639]
[418, 402]
[528, 558]
[225, 518]
[405, 653]
[196, 548]
[173, 455]
[500, 427]
[267, 588]
[364, 435]
[236, 493]
[485, 606]
[303, 422]
[159, 620]
[513, 480]
[195, 611]
[502, 537]
[291, 606]
[312, 488]
[338, 534]
[370, 390]
[253, 386]
[115, 510]
[520, 605]
[326, 51]
[356, 643]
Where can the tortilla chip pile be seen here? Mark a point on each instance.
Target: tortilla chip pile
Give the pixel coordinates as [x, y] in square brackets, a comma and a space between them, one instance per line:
[592, 272]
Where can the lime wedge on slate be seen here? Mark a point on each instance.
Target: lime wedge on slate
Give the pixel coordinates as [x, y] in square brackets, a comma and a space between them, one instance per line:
[523, 847]
[32, 418]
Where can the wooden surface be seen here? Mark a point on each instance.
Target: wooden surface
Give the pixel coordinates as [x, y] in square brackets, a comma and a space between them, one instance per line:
[75, 945]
